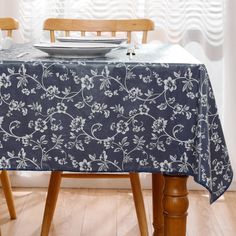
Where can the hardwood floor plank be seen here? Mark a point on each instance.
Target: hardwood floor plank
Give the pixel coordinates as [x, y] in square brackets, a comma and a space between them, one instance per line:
[201, 218]
[147, 195]
[90, 212]
[148, 204]
[225, 212]
[29, 209]
[100, 214]
[69, 214]
[8, 226]
[127, 223]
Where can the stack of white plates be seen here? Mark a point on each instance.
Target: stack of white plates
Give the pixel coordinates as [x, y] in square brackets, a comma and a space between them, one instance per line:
[81, 47]
[92, 39]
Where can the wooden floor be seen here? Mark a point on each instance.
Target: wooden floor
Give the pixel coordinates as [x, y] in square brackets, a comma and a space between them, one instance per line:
[89, 212]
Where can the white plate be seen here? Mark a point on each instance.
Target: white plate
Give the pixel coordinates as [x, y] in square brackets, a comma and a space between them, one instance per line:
[93, 39]
[86, 50]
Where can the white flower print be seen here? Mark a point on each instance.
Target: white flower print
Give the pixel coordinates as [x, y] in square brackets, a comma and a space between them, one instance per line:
[52, 91]
[40, 125]
[108, 93]
[219, 167]
[108, 143]
[143, 109]
[87, 82]
[178, 109]
[159, 125]
[75, 164]
[96, 107]
[166, 166]
[26, 140]
[216, 138]
[191, 95]
[134, 93]
[204, 100]
[122, 127]
[79, 105]
[189, 145]
[26, 91]
[85, 165]
[61, 107]
[5, 81]
[170, 84]
[14, 105]
[77, 124]
[4, 163]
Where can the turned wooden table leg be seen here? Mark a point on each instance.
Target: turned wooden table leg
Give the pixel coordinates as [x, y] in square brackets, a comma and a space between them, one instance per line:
[157, 197]
[175, 205]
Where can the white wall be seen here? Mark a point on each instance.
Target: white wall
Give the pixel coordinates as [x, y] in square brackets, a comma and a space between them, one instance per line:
[41, 179]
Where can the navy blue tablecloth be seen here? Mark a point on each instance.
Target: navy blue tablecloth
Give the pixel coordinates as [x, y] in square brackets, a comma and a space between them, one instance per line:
[154, 113]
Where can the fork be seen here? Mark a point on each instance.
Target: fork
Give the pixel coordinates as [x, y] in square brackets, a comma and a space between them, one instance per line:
[22, 54]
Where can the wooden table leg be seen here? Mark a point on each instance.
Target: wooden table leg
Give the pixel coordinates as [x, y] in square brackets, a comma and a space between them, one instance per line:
[157, 197]
[175, 205]
[53, 190]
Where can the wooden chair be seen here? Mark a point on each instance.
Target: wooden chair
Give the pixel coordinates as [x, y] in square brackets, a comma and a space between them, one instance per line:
[8, 24]
[98, 26]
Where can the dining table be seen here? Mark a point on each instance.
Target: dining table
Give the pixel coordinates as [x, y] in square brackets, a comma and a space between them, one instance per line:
[152, 112]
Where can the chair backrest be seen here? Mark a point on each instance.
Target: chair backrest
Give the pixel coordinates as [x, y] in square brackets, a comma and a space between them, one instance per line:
[9, 24]
[98, 26]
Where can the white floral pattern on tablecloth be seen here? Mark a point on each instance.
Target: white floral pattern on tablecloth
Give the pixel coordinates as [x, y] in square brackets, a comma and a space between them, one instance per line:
[100, 116]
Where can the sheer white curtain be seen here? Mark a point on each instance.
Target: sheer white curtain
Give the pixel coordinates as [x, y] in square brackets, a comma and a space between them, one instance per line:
[206, 28]
[176, 20]
[229, 78]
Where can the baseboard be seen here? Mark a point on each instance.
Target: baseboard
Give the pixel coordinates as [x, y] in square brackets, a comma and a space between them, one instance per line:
[41, 179]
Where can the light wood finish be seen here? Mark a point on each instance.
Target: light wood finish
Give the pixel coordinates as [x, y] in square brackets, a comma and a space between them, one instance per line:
[54, 187]
[175, 204]
[139, 203]
[6, 186]
[99, 26]
[53, 190]
[76, 208]
[157, 197]
[94, 224]
[9, 24]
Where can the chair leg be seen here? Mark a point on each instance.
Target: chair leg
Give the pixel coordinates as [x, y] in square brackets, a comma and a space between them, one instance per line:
[6, 186]
[139, 203]
[53, 190]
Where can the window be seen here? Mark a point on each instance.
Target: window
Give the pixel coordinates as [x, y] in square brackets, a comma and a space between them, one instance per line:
[176, 19]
